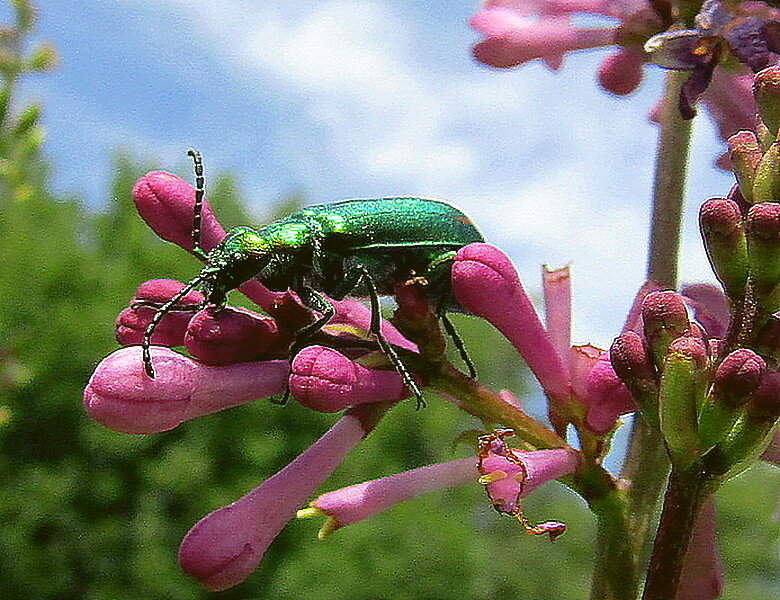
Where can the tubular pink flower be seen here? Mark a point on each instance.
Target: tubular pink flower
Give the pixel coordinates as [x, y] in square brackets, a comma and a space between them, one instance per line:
[512, 39]
[557, 310]
[132, 321]
[233, 335]
[486, 284]
[363, 500]
[702, 572]
[509, 475]
[325, 380]
[121, 396]
[225, 546]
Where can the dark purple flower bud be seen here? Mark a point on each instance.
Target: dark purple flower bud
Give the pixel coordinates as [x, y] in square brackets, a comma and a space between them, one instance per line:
[763, 234]
[633, 366]
[132, 321]
[766, 90]
[724, 239]
[738, 376]
[325, 380]
[745, 154]
[665, 319]
[233, 335]
[765, 403]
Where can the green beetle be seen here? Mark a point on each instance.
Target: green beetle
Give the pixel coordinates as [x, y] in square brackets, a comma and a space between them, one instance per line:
[360, 248]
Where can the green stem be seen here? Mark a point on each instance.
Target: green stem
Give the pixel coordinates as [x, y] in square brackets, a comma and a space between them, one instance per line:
[489, 407]
[646, 464]
[684, 496]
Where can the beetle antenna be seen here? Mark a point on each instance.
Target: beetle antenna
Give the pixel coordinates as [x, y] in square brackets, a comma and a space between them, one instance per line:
[200, 191]
[161, 312]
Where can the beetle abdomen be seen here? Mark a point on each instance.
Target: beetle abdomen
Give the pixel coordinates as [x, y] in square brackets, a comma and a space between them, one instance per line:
[387, 224]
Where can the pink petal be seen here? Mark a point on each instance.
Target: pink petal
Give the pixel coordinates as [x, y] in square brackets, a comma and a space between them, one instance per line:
[512, 39]
[557, 306]
[225, 546]
[122, 397]
[607, 397]
[710, 308]
[325, 380]
[357, 502]
[486, 284]
[729, 100]
[621, 72]
[702, 573]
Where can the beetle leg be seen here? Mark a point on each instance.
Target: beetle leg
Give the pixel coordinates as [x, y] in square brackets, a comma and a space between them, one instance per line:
[198, 209]
[376, 331]
[175, 308]
[317, 302]
[458, 342]
[165, 308]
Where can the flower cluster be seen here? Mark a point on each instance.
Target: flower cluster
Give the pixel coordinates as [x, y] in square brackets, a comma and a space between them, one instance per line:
[715, 44]
[235, 356]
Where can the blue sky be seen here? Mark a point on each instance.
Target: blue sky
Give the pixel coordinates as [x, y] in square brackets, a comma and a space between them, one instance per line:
[341, 99]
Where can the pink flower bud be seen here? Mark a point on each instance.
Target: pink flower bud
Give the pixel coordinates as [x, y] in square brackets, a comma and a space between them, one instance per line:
[621, 72]
[121, 396]
[166, 203]
[233, 335]
[486, 284]
[325, 380]
[225, 546]
[131, 322]
[745, 155]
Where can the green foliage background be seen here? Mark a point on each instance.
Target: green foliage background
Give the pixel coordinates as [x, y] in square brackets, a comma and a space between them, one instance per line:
[87, 513]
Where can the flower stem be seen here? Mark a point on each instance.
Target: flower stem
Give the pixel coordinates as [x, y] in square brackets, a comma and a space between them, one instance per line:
[646, 464]
[684, 496]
